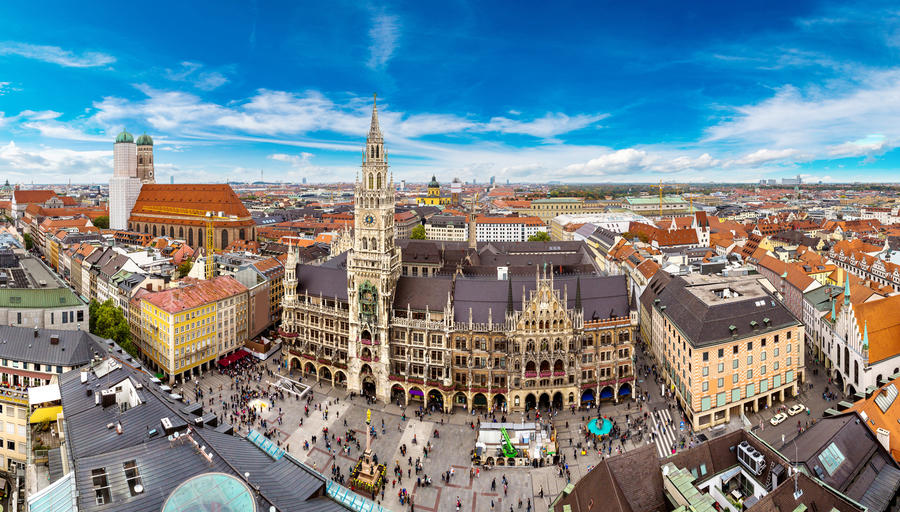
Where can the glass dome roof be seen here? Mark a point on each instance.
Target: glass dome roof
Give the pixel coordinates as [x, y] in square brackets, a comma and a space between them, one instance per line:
[211, 491]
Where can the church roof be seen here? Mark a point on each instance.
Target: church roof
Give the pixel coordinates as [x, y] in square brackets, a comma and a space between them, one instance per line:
[434, 182]
[209, 197]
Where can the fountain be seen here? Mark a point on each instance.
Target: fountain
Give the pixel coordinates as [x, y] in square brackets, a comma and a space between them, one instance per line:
[599, 427]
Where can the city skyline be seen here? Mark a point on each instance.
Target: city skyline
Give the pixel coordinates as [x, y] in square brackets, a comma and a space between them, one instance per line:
[572, 94]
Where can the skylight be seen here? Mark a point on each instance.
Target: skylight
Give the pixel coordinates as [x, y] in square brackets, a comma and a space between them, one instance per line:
[831, 458]
[886, 397]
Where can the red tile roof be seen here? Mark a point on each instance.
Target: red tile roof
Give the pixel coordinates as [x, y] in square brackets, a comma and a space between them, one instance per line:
[195, 293]
[33, 196]
[662, 237]
[207, 197]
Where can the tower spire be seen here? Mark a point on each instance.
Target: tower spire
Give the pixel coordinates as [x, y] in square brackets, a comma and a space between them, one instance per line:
[577, 293]
[866, 335]
[847, 291]
[374, 128]
[509, 296]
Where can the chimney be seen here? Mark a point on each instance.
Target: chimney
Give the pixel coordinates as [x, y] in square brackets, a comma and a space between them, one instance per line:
[884, 437]
[54, 339]
[35, 332]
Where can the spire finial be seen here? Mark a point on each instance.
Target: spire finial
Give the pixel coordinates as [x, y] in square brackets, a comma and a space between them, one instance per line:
[847, 291]
[866, 335]
[374, 129]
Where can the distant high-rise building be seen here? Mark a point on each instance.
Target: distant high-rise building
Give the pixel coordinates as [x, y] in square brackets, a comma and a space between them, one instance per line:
[132, 167]
[455, 191]
[304, 180]
[402, 184]
[492, 181]
[172, 179]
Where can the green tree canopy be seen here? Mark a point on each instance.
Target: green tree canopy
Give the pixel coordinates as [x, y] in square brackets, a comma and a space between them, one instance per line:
[29, 243]
[107, 321]
[418, 233]
[184, 268]
[102, 222]
[540, 236]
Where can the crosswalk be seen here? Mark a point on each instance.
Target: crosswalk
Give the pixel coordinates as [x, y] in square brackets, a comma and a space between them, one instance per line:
[666, 435]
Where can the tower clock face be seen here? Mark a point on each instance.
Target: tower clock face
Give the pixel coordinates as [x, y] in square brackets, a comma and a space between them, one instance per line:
[370, 219]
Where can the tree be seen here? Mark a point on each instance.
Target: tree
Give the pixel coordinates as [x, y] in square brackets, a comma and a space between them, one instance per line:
[107, 321]
[29, 243]
[540, 236]
[418, 233]
[102, 222]
[184, 268]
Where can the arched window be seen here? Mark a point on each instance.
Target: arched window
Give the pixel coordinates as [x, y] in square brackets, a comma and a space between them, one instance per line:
[371, 181]
[172, 231]
[154, 230]
[379, 181]
[224, 238]
[181, 232]
[190, 238]
[242, 235]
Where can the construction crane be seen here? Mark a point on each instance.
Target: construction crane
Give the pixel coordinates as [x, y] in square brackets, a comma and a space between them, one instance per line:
[660, 187]
[209, 217]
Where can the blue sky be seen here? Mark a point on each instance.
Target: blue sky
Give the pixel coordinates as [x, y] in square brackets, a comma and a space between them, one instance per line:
[525, 91]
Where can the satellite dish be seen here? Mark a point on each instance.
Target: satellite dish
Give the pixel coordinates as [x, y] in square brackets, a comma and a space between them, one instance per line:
[138, 488]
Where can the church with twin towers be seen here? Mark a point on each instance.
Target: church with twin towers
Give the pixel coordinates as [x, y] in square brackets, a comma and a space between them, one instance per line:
[497, 326]
[132, 168]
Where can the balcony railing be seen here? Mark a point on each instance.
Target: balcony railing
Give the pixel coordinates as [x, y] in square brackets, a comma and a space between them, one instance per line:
[546, 373]
[530, 375]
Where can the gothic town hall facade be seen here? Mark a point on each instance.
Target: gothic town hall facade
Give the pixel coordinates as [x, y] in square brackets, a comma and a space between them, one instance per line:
[496, 326]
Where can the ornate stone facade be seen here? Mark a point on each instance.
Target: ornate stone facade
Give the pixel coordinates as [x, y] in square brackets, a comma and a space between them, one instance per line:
[561, 336]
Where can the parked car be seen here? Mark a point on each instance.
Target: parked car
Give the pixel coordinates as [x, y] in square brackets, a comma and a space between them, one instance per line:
[797, 409]
[778, 418]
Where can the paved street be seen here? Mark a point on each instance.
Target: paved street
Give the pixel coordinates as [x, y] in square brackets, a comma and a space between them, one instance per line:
[451, 452]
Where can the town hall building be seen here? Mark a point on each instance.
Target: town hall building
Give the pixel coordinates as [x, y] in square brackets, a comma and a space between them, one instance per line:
[504, 326]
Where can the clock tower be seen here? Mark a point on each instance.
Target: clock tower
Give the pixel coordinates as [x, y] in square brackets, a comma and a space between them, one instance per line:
[373, 267]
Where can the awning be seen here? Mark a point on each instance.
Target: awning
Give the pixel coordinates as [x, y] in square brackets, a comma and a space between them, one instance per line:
[237, 356]
[43, 414]
[624, 391]
[43, 394]
[728, 475]
[416, 392]
[606, 393]
[587, 396]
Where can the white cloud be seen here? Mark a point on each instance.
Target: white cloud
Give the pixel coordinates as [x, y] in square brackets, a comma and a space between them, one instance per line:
[383, 35]
[631, 160]
[867, 146]
[54, 162]
[194, 73]
[281, 114]
[763, 156]
[296, 161]
[56, 55]
[551, 125]
[819, 121]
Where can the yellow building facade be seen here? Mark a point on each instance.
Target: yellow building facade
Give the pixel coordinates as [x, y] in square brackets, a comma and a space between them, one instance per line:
[184, 330]
[433, 196]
